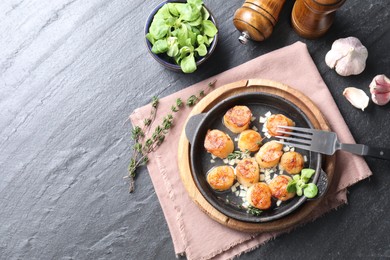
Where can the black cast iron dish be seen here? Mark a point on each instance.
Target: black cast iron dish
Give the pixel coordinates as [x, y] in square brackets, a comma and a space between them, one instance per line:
[226, 202]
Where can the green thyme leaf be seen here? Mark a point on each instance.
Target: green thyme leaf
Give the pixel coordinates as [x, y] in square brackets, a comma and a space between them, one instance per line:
[238, 155]
[254, 211]
[147, 121]
[155, 101]
[192, 100]
[179, 102]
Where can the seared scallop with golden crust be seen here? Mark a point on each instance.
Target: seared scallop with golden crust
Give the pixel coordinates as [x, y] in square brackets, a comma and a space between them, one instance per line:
[292, 162]
[278, 186]
[276, 120]
[247, 172]
[221, 178]
[259, 196]
[249, 140]
[269, 154]
[218, 143]
[237, 119]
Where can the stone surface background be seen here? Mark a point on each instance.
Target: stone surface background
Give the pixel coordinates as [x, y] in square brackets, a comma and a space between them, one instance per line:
[72, 71]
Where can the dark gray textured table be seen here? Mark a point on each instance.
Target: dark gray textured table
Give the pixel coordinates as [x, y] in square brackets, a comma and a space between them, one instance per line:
[70, 74]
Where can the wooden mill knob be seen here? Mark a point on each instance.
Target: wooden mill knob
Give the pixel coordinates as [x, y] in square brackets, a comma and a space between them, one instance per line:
[257, 18]
[313, 18]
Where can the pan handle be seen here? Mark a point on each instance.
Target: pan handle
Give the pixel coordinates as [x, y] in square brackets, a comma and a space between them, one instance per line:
[192, 126]
[322, 185]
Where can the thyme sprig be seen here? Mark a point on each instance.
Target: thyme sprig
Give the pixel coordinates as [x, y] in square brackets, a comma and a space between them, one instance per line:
[254, 211]
[193, 99]
[238, 155]
[143, 145]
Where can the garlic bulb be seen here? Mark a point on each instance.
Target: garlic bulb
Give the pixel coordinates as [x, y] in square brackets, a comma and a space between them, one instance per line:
[347, 56]
[380, 90]
[357, 97]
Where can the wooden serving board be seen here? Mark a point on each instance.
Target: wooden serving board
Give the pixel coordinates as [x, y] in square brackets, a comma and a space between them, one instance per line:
[244, 86]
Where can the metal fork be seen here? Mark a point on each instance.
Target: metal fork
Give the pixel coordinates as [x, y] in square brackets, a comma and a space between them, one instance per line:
[326, 142]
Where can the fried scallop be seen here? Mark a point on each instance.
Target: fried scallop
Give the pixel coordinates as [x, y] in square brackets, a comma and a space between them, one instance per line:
[259, 196]
[276, 120]
[292, 162]
[278, 186]
[269, 154]
[247, 172]
[237, 119]
[218, 143]
[249, 140]
[221, 178]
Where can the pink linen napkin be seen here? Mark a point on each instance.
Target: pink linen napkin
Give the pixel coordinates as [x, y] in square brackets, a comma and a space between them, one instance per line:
[291, 65]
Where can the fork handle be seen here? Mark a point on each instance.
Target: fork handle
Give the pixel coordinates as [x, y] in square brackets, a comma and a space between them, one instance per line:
[377, 152]
[362, 149]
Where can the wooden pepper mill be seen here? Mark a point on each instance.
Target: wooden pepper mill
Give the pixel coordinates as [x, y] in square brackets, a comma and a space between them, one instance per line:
[257, 18]
[312, 18]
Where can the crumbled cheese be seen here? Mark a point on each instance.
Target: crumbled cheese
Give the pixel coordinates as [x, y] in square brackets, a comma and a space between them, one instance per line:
[268, 114]
[253, 118]
[236, 139]
[262, 120]
[212, 161]
[213, 156]
[286, 148]
[292, 149]
[237, 193]
[281, 172]
[245, 204]
[255, 128]
[267, 135]
[234, 189]
[262, 177]
[225, 161]
[278, 203]
[305, 158]
[243, 193]
[245, 155]
[242, 187]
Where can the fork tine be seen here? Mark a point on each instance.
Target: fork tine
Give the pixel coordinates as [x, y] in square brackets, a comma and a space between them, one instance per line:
[298, 140]
[301, 146]
[303, 135]
[295, 128]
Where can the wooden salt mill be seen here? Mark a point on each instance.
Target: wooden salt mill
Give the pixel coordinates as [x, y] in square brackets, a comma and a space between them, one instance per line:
[312, 18]
[257, 18]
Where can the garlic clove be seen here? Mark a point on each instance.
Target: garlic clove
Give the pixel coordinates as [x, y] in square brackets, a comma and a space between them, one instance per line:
[380, 90]
[347, 56]
[332, 57]
[381, 99]
[357, 97]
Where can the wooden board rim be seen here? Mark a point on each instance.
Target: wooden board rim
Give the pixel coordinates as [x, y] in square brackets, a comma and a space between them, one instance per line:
[242, 86]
